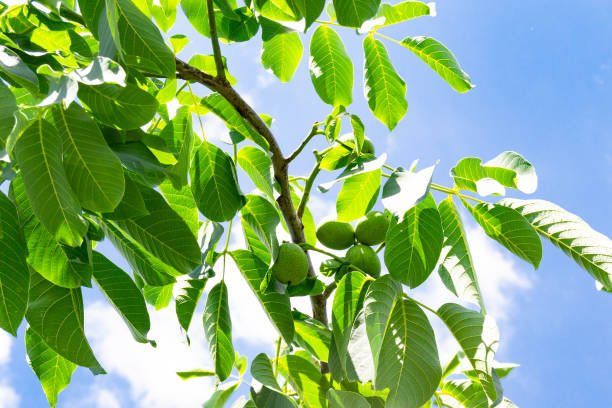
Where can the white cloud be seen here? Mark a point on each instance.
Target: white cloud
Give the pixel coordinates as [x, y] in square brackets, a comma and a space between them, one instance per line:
[104, 398]
[214, 129]
[265, 80]
[8, 396]
[150, 372]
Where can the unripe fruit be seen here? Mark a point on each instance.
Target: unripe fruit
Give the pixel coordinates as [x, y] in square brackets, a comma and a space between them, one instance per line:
[336, 234]
[372, 230]
[364, 258]
[368, 146]
[291, 265]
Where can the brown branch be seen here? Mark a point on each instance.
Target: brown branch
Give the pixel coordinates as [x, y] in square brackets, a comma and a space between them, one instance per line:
[279, 164]
[214, 39]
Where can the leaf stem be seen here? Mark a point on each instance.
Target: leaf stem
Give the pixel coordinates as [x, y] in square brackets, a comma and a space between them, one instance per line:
[387, 38]
[329, 23]
[329, 290]
[229, 233]
[421, 304]
[199, 117]
[438, 401]
[278, 346]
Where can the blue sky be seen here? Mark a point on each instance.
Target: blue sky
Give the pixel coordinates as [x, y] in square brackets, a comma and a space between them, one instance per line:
[544, 89]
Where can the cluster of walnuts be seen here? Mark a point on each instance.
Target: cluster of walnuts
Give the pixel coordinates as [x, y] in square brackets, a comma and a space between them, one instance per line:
[291, 264]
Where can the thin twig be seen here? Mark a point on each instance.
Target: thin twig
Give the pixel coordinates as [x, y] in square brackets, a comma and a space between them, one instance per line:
[329, 290]
[313, 132]
[307, 187]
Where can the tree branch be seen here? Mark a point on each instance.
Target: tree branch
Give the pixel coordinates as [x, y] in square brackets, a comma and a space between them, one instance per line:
[214, 39]
[279, 164]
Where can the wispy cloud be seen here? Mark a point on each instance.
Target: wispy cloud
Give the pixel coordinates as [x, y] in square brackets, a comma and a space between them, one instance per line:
[150, 372]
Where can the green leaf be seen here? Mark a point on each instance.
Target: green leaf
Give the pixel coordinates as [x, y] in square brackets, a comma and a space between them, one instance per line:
[408, 363]
[478, 337]
[508, 227]
[14, 68]
[441, 60]
[276, 305]
[153, 271]
[348, 301]
[405, 189]
[124, 108]
[306, 379]
[141, 42]
[358, 195]
[239, 29]
[509, 169]
[258, 166]
[187, 296]
[186, 375]
[309, 9]
[226, 112]
[93, 170]
[141, 162]
[158, 296]
[267, 398]
[389, 14]
[359, 166]
[414, 244]
[589, 248]
[463, 393]
[123, 295]
[214, 183]
[261, 370]
[385, 90]
[56, 315]
[218, 330]
[132, 204]
[8, 106]
[313, 336]
[53, 371]
[14, 272]
[220, 396]
[262, 219]
[282, 55]
[524, 178]
[456, 269]
[207, 64]
[378, 304]
[57, 263]
[331, 68]
[182, 202]
[163, 233]
[180, 139]
[278, 10]
[346, 399]
[178, 42]
[353, 13]
[39, 154]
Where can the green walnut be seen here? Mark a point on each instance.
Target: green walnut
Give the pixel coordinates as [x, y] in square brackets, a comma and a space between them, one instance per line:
[291, 264]
[336, 234]
[367, 147]
[364, 258]
[372, 230]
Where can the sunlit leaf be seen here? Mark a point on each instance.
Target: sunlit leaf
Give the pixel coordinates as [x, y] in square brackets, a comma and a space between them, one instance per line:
[14, 272]
[589, 248]
[384, 89]
[331, 69]
[53, 371]
[413, 245]
[218, 330]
